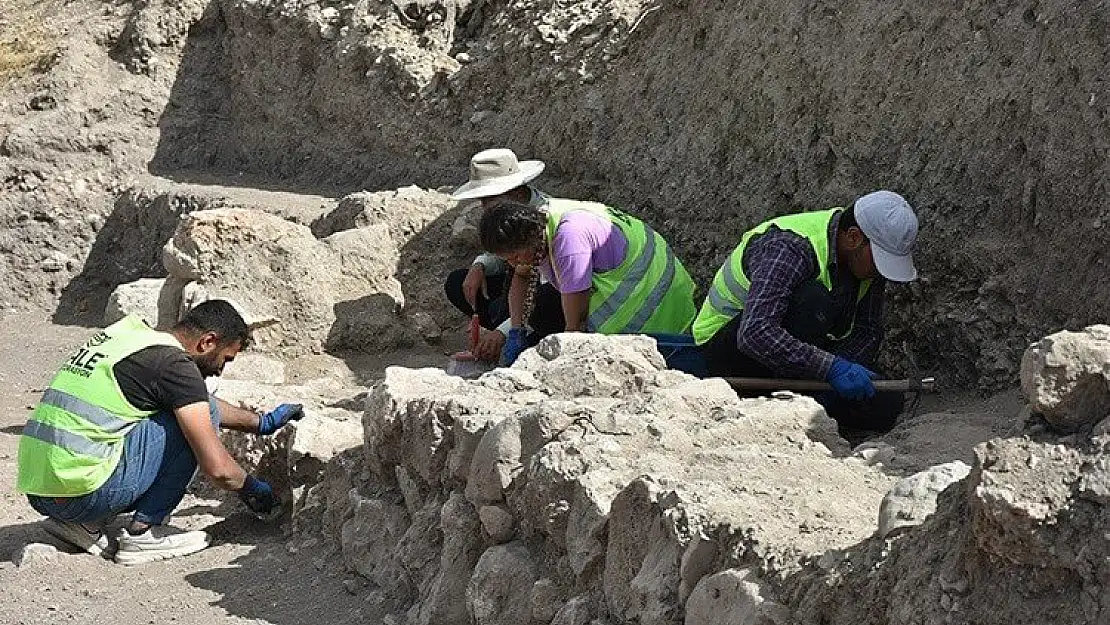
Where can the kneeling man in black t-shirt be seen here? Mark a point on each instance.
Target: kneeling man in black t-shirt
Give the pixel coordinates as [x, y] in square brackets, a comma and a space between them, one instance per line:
[124, 426]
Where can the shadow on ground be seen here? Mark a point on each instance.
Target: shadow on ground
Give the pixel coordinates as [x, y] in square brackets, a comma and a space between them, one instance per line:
[128, 247]
[271, 585]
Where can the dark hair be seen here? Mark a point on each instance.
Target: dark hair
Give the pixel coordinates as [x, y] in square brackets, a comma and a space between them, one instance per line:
[848, 220]
[511, 226]
[219, 317]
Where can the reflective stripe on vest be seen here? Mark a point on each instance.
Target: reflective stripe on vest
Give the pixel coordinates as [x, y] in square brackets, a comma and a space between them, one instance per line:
[69, 441]
[650, 291]
[636, 274]
[74, 439]
[728, 294]
[655, 298]
[96, 415]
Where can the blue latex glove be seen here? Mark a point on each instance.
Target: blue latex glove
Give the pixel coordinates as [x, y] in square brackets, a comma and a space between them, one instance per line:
[259, 497]
[277, 418]
[851, 380]
[514, 346]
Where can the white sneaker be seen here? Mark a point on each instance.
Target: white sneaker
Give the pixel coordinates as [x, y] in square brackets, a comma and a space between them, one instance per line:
[158, 543]
[91, 541]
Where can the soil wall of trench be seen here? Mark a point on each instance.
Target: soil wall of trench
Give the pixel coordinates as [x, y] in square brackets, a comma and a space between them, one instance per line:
[706, 117]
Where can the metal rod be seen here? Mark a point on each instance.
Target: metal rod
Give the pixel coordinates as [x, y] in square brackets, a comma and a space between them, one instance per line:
[926, 385]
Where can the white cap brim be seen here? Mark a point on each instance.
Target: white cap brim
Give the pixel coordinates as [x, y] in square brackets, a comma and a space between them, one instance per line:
[893, 267]
[474, 189]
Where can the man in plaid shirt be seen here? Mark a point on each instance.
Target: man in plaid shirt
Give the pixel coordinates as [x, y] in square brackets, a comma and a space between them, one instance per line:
[778, 309]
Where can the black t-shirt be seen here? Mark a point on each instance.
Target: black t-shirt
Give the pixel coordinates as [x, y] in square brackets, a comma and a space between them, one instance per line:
[161, 378]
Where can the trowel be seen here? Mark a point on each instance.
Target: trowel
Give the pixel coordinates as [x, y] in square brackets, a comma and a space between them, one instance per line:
[465, 364]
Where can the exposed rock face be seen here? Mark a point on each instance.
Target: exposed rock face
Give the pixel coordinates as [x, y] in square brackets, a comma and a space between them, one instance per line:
[585, 481]
[1066, 377]
[1022, 540]
[913, 499]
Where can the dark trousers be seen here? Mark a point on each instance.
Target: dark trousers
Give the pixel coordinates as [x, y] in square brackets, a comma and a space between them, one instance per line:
[812, 315]
[547, 310]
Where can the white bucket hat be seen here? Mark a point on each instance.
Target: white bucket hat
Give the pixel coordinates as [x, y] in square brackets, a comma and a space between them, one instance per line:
[493, 172]
[887, 219]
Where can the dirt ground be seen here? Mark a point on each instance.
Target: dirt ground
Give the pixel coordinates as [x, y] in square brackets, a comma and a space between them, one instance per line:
[247, 576]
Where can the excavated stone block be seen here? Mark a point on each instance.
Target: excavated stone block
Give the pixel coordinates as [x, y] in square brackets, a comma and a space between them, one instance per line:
[497, 522]
[252, 367]
[914, 499]
[1066, 377]
[324, 293]
[734, 596]
[500, 591]
[547, 598]
[462, 546]
[579, 610]
[144, 298]
[369, 539]
[591, 365]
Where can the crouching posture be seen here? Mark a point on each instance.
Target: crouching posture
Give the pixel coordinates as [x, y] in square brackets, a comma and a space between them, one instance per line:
[124, 425]
[614, 273]
[802, 297]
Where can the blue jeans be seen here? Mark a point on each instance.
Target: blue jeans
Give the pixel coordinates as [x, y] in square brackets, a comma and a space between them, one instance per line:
[150, 479]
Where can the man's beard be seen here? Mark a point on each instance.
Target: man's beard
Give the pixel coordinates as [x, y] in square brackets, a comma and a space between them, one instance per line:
[208, 364]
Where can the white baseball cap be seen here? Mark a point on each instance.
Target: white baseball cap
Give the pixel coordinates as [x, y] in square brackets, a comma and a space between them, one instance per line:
[888, 221]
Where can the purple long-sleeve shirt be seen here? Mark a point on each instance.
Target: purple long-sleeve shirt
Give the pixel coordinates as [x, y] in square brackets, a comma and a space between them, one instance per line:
[777, 262]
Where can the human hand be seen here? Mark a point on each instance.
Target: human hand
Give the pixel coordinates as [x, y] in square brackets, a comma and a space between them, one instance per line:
[851, 380]
[514, 346]
[259, 497]
[277, 418]
[489, 346]
[474, 283]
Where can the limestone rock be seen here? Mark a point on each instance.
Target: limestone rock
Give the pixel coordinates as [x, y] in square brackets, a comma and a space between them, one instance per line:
[578, 611]
[594, 365]
[1066, 377]
[405, 211]
[315, 440]
[499, 592]
[369, 539]
[735, 597]
[643, 557]
[462, 546]
[323, 293]
[547, 598]
[144, 298]
[914, 498]
[497, 522]
[252, 367]
[497, 460]
[1021, 491]
[36, 554]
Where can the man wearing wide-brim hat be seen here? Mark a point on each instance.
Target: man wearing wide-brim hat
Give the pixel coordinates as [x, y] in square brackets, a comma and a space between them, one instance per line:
[497, 175]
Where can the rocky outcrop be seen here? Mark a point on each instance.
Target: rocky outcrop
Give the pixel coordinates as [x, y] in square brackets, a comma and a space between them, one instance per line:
[586, 480]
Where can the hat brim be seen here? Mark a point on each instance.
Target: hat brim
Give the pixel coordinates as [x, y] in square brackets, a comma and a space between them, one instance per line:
[474, 189]
[892, 266]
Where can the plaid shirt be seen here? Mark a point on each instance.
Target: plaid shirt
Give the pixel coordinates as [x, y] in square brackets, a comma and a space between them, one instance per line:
[777, 263]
